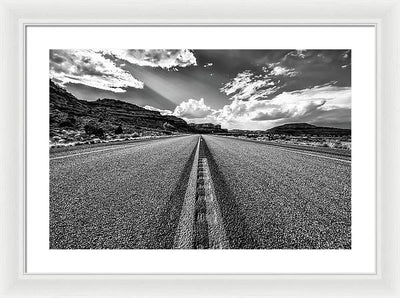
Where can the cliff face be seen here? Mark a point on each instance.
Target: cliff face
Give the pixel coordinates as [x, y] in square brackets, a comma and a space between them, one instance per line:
[207, 128]
[66, 111]
[297, 129]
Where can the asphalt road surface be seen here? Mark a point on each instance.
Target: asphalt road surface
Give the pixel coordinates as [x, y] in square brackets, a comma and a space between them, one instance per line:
[126, 196]
[276, 198]
[131, 195]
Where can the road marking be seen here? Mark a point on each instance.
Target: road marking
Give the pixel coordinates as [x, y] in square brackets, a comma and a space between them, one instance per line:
[316, 155]
[184, 234]
[294, 150]
[216, 232]
[121, 146]
[200, 225]
[93, 151]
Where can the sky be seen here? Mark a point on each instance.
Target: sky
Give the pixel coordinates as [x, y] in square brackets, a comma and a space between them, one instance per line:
[239, 89]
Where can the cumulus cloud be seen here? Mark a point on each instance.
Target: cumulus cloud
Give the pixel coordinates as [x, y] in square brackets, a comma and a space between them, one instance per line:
[162, 112]
[208, 65]
[192, 109]
[309, 104]
[166, 59]
[90, 68]
[296, 105]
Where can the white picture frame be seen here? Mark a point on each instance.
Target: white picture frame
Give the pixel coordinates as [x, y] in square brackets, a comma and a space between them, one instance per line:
[16, 15]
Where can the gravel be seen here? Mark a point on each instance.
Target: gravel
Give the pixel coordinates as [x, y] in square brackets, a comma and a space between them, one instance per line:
[125, 197]
[275, 199]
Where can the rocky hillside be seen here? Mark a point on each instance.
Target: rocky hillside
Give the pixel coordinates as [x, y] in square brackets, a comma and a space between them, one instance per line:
[297, 129]
[105, 116]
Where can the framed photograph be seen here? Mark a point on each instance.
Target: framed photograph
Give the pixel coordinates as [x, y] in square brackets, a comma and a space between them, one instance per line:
[200, 158]
[148, 143]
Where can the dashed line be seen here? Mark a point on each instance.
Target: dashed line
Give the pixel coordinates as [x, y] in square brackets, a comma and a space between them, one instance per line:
[184, 234]
[216, 232]
[201, 238]
[200, 225]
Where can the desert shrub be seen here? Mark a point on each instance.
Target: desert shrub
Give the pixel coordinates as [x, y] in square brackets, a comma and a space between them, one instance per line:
[91, 129]
[168, 126]
[70, 121]
[119, 130]
[66, 123]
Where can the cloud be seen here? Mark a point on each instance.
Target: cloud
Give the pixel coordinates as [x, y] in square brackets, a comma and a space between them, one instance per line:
[287, 110]
[298, 53]
[282, 71]
[162, 112]
[310, 104]
[346, 55]
[250, 86]
[166, 59]
[192, 109]
[208, 65]
[345, 58]
[90, 68]
[289, 71]
[325, 104]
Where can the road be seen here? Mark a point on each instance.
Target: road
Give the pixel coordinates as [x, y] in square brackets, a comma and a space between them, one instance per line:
[131, 195]
[276, 198]
[126, 196]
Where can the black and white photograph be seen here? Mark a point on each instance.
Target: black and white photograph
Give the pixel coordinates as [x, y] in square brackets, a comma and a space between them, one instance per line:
[200, 149]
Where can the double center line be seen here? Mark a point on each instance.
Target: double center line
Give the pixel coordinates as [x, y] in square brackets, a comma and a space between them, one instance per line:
[200, 225]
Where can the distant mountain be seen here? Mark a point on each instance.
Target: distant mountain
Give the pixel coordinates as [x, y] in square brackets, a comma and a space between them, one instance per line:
[207, 128]
[66, 111]
[297, 129]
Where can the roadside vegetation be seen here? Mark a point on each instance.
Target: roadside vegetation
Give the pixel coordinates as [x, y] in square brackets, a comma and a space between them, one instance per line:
[92, 134]
[333, 142]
